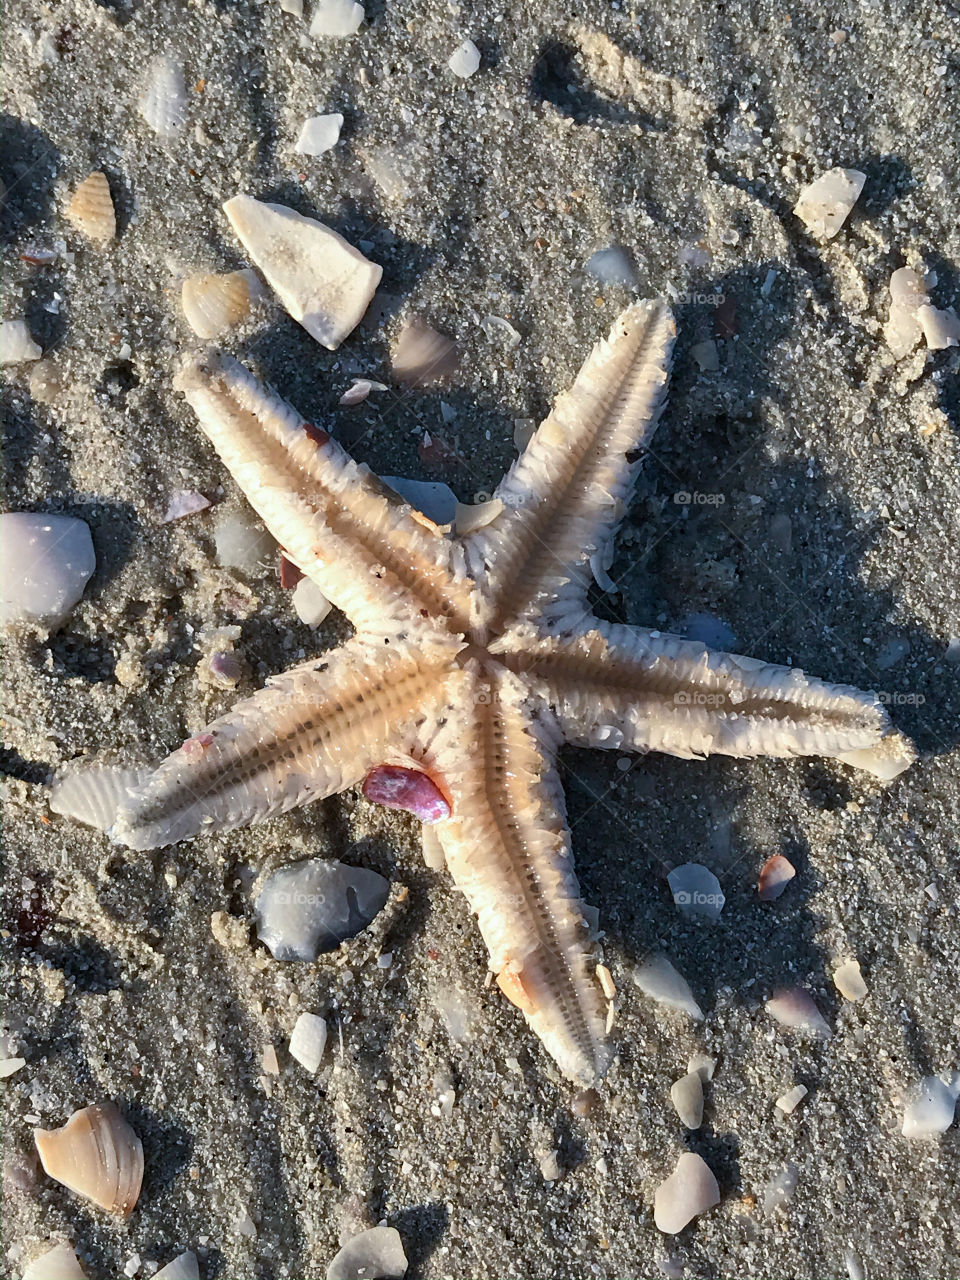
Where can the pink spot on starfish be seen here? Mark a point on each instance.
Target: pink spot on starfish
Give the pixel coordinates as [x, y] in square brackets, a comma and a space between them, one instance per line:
[196, 745]
[396, 787]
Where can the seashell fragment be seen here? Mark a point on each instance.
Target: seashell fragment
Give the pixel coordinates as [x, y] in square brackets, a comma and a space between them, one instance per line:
[789, 1101]
[690, 1190]
[95, 795]
[433, 855]
[778, 1191]
[396, 787]
[854, 1264]
[498, 327]
[185, 502]
[931, 1111]
[703, 1065]
[308, 1040]
[322, 281]
[941, 329]
[58, 1263]
[686, 1094]
[336, 18]
[212, 303]
[473, 516]
[612, 267]
[292, 6]
[10, 1066]
[792, 1007]
[183, 1267]
[657, 978]
[164, 101]
[46, 563]
[696, 891]
[775, 874]
[360, 389]
[312, 906]
[319, 134]
[421, 355]
[376, 1254]
[908, 294]
[432, 498]
[825, 204]
[91, 209]
[310, 604]
[849, 981]
[16, 345]
[97, 1155]
[241, 541]
[465, 60]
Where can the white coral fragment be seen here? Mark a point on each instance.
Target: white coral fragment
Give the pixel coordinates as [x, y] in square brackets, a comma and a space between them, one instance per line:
[324, 282]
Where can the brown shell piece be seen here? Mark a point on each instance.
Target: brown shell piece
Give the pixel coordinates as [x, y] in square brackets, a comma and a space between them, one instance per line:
[97, 1155]
[91, 209]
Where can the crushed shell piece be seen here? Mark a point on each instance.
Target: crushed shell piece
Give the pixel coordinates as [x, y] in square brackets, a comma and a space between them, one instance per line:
[319, 134]
[214, 302]
[789, 1101]
[16, 345]
[657, 978]
[324, 282]
[421, 355]
[473, 516]
[183, 1267]
[465, 60]
[308, 1041]
[690, 1190]
[397, 787]
[58, 1263]
[164, 101]
[336, 18]
[849, 981]
[97, 1155]
[825, 204]
[775, 874]
[941, 329]
[91, 209]
[931, 1111]
[686, 1094]
[793, 1007]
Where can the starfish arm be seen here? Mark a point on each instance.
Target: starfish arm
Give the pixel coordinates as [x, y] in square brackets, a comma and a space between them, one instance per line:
[565, 495]
[371, 554]
[507, 847]
[630, 689]
[311, 732]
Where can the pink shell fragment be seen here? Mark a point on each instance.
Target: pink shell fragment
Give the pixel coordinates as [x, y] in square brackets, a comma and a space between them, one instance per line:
[196, 745]
[395, 787]
[185, 503]
[361, 388]
[775, 874]
[793, 1007]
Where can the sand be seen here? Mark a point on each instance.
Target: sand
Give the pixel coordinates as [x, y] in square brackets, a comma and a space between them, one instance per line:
[803, 494]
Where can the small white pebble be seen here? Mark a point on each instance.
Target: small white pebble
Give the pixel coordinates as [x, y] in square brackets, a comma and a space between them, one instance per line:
[789, 1101]
[308, 1041]
[319, 134]
[464, 60]
[849, 981]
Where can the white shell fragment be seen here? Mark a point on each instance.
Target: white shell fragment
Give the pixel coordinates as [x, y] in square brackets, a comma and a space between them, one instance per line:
[185, 502]
[214, 302]
[16, 345]
[704, 1066]
[46, 563]
[10, 1066]
[183, 1267]
[779, 1190]
[931, 1111]
[360, 389]
[308, 1040]
[908, 294]
[689, 1191]
[789, 1101]
[854, 1264]
[825, 204]
[686, 1094]
[941, 329]
[310, 604]
[97, 1155]
[432, 498]
[696, 891]
[794, 1008]
[292, 6]
[94, 795]
[59, 1263]
[473, 516]
[91, 209]
[310, 907]
[164, 101]
[324, 283]
[657, 978]
[376, 1254]
[849, 981]
[319, 134]
[465, 60]
[335, 18]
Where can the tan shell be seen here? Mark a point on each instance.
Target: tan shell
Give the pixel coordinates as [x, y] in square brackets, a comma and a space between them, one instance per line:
[212, 303]
[91, 209]
[97, 1155]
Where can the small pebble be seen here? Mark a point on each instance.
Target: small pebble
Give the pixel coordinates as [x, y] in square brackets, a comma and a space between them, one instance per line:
[308, 1040]
[689, 1191]
[696, 891]
[310, 907]
[465, 60]
[687, 1096]
[931, 1111]
[789, 1101]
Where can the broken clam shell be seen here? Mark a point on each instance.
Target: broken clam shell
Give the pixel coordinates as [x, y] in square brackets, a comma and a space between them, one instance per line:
[91, 209]
[212, 303]
[97, 1155]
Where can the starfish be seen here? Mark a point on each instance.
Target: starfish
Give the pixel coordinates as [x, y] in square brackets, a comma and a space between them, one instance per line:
[475, 659]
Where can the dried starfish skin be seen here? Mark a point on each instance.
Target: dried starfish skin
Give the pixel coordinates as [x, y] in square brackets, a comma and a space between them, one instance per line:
[475, 659]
